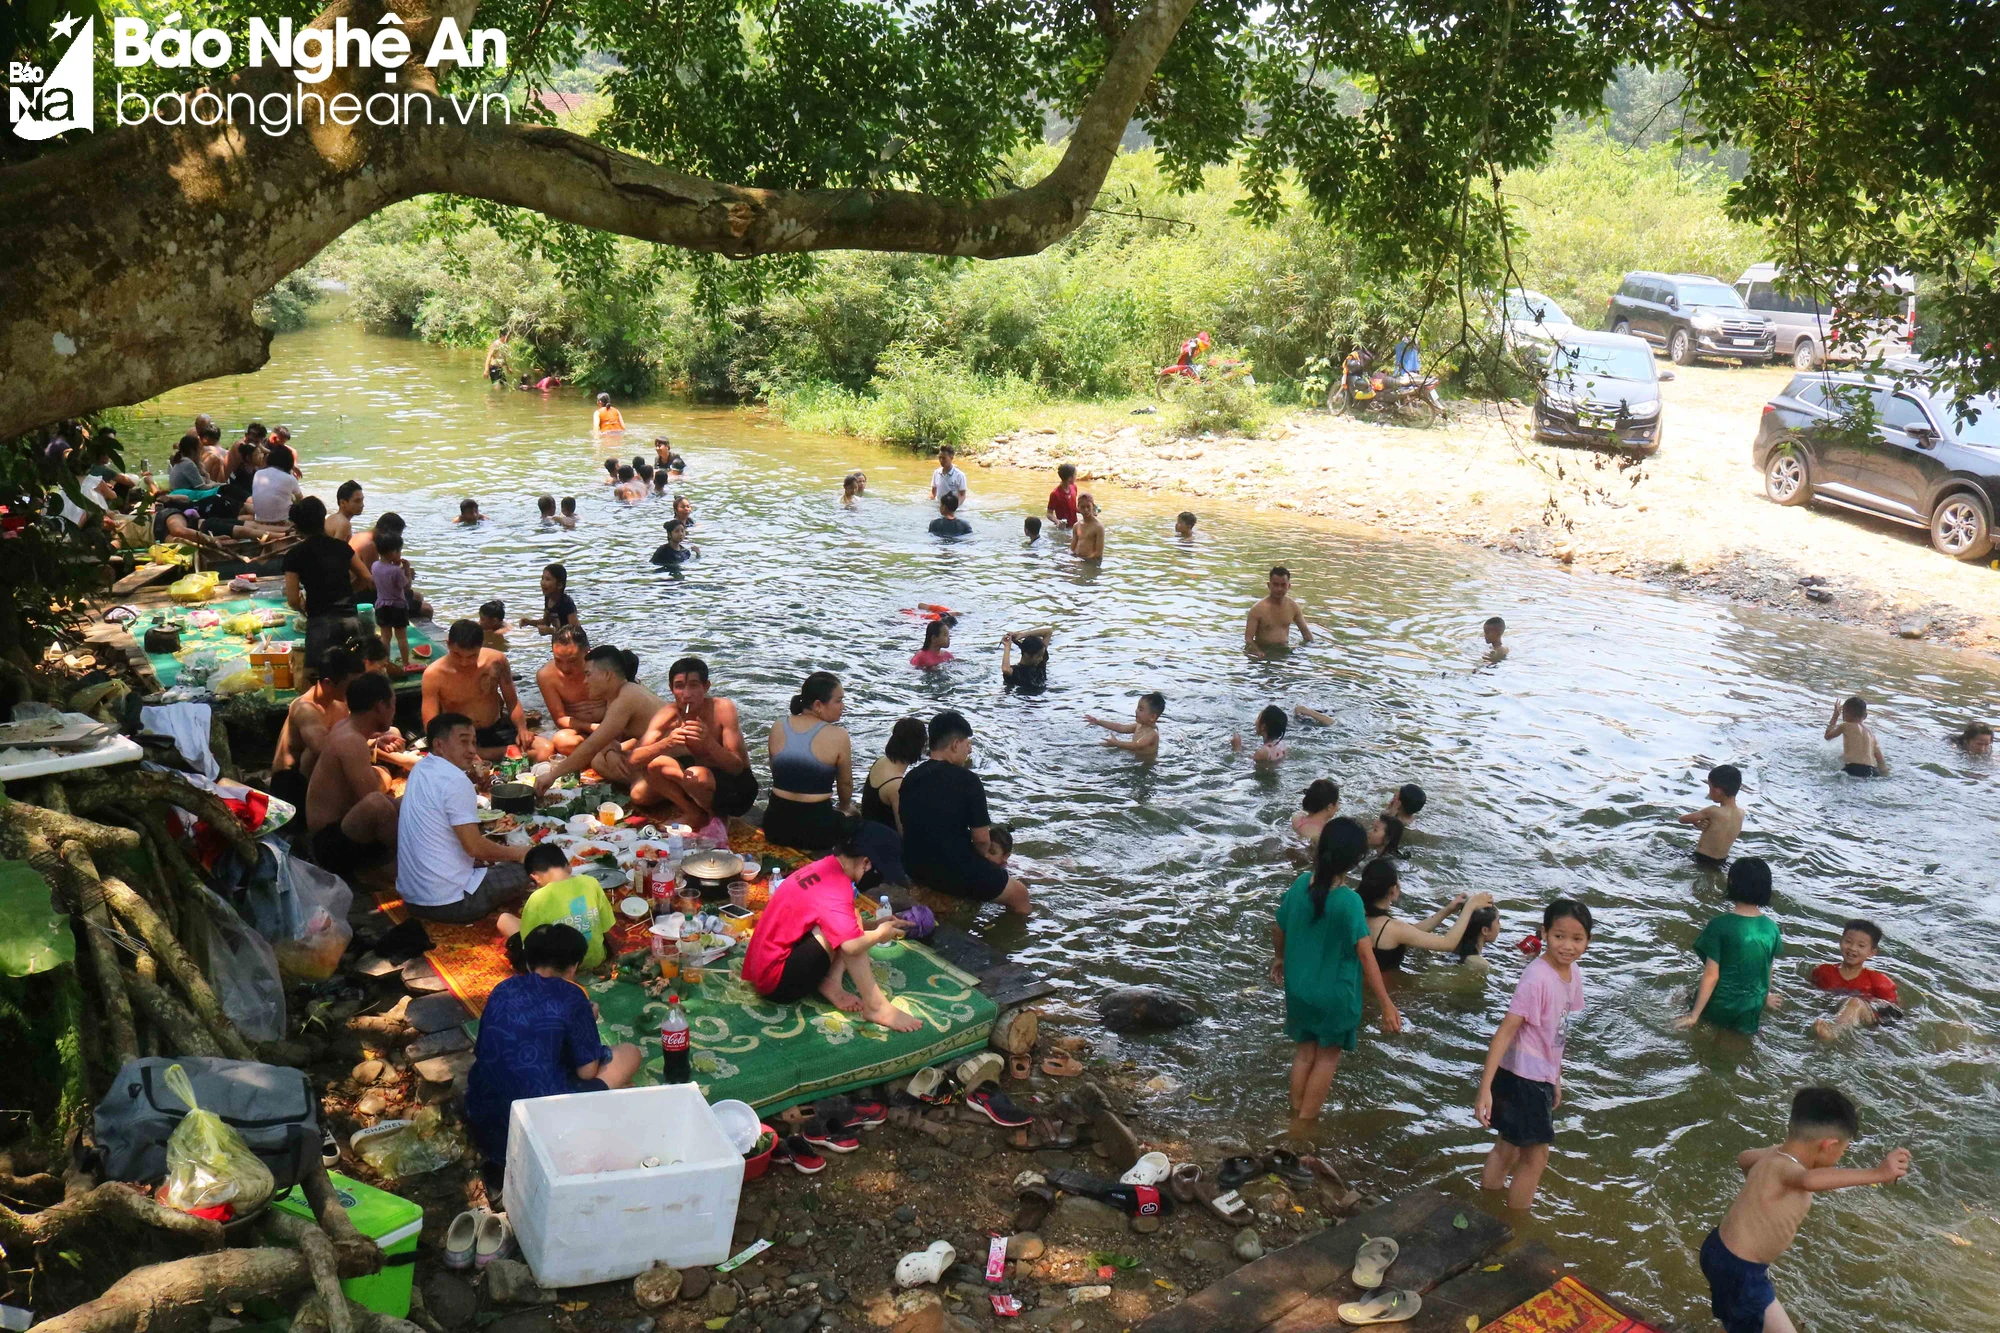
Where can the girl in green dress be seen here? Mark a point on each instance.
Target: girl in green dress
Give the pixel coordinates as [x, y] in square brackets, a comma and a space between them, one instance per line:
[1323, 956]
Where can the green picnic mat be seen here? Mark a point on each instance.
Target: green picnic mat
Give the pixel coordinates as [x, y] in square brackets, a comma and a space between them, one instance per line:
[776, 1055]
[227, 646]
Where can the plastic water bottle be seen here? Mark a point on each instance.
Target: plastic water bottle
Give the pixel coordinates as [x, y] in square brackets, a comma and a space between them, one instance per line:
[883, 911]
[675, 1067]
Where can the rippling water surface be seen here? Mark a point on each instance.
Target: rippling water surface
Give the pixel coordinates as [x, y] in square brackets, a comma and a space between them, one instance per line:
[1558, 771]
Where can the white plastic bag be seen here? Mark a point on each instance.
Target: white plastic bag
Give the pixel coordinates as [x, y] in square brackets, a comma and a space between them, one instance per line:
[245, 972]
[317, 932]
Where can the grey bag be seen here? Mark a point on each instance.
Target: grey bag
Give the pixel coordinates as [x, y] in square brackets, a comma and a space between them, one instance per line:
[271, 1106]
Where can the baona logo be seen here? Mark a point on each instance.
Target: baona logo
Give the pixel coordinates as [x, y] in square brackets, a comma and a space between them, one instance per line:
[41, 107]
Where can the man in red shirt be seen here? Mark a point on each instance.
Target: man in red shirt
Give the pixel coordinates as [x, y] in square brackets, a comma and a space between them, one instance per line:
[1865, 987]
[1062, 500]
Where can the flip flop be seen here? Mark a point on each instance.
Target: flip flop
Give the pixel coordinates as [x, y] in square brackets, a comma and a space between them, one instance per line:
[1150, 1169]
[1372, 1260]
[1021, 1067]
[928, 1085]
[1181, 1184]
[1061, 1064]
[1236, 1171]
[1384, 1307]
[1227, 1205]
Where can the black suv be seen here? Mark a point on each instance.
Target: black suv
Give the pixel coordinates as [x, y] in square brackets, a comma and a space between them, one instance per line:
[1918, 463]
[1692, 316]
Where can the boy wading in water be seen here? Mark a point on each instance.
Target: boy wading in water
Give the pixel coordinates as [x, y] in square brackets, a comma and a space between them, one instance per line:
[1860, 752]
[1323, 960]
[1143, 728]
[1721, 820]
[1778, 1189]
[1521, 1086]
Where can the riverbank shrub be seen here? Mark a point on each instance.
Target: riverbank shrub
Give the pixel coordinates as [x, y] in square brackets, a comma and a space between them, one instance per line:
[920, 349]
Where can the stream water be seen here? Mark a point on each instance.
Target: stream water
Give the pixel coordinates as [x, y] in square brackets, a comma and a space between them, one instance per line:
[1558, 771]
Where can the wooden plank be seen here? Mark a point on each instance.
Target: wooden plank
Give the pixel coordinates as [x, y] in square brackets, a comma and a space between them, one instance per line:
[142, 577]
[1517, 1276]
[1435, 1249]
[961, 950]
[1257, 1294]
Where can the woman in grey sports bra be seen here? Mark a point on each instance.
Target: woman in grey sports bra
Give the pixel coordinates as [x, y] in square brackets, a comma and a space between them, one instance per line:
[812, 773]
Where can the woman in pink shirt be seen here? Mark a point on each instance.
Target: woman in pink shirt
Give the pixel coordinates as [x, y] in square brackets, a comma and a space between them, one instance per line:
[1521, 1086]
[810, 939]
[937, 638]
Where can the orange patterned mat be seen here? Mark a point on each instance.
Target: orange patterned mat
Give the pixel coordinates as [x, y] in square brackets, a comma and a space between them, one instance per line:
[1567, 1307]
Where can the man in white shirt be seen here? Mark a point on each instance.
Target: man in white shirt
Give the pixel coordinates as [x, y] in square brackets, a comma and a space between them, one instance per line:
[439, 848]
[947, 479]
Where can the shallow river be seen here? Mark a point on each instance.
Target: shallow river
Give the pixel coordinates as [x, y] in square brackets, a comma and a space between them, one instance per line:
[1557, 772]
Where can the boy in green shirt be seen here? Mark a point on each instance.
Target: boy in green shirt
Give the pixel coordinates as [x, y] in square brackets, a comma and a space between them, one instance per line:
[561, 898]
[1737, 949]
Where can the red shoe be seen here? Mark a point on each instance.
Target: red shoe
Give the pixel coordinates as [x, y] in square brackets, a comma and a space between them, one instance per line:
[832, 1138]
[997, 1107]
[796, 1151]
[865, 1115]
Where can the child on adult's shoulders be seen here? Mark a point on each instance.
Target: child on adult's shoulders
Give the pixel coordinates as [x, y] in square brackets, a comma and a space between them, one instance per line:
[1860, 752]
[1270, 729]
[1778, 1188]
[1143, 729]
[1870, 995]
[1737, 950]
[1721, 820]
[468, 514]
[560, 896]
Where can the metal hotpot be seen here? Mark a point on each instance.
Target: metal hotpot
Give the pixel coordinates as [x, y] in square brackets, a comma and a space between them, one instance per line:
[711, 872]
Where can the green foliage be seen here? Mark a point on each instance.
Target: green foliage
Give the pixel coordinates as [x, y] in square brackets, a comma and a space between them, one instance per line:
[1222, 404]
[286, 307]
[915, 399]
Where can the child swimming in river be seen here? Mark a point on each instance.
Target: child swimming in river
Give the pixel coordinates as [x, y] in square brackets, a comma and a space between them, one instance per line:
[1860, 752]
[1521, 1085]
[1408, 802]
[1143, 729]
[1270, 728]
[675, 552]
[1778, 1188]
[1491, 631]
[1721, 820]
[937, 639]
[1031, 528]
[1737, 950]
[1320, 803]
[1869, 993]
[468, 514]
[568, 518]
[1184, 524]
[1031, 673]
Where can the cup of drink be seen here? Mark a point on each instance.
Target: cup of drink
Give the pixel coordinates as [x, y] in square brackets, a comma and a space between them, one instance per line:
[690, 949]
[739, 892]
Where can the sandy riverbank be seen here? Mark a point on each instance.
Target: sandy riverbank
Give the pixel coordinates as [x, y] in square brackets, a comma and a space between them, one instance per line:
[1694, 515]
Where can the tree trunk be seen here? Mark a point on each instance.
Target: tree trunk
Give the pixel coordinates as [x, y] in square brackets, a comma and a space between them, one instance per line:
[207, 1009]
[130, 790]
[19, 1234]
[182, 1031]
[150, 285]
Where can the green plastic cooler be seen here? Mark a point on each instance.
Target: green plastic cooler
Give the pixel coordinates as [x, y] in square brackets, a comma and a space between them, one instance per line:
[393, 1223]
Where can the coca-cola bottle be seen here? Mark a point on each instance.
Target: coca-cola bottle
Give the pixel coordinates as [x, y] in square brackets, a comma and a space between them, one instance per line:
[675, 1066]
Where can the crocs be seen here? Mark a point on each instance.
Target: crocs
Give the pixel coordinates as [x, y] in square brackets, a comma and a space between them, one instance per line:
[1150, 1169]
[1384, 1307]
[928, 1085]
[495, 1236]
[461, 1240]
[921, 1267]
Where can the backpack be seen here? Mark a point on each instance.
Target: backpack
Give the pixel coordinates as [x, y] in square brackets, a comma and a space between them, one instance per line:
[272, 1107]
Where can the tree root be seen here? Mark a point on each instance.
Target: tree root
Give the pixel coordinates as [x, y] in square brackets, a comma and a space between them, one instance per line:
[176, 1297]
[201, 998]
[180, 1029]
[27, 821]
[76, 873]
[314, 1317]
[20, 1233]
[324, 1265]
[133, 789]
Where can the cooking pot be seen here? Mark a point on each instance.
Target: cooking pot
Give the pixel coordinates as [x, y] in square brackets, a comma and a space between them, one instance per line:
[711, 872]
[515, 798]
[161, 639]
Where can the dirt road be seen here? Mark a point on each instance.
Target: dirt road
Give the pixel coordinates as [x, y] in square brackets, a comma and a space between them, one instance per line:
[1694, 515]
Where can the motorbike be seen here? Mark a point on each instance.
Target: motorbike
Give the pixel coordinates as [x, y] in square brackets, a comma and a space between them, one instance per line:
[1412, 399]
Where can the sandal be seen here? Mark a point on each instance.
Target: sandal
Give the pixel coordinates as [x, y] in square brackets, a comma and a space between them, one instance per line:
[1043, 1132]
[1035, 1201]
[1227, 1205]
[1020, 1068]
[1150, 1169]
[1372, 1260]
[1181, 1184]
[1285, 1165]
[1384, 1307]
[1236, 1171]
[1061, 1064]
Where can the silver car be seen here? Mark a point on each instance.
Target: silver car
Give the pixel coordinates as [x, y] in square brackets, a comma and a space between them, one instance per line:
[1532, 321]
[1806, 327]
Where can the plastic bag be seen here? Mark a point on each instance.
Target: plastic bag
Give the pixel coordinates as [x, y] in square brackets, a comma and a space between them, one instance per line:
[193, 587]
[245, 972]
[247, 623]
[237, 677]
[208, 1163]
[399, 1148]
[316, 931]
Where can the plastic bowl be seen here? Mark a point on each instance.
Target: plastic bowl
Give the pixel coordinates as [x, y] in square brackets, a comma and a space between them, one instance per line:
[740, 1124]
[754, 1167]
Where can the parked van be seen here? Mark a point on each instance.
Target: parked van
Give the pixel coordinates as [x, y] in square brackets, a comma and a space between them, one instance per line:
[1807, 328]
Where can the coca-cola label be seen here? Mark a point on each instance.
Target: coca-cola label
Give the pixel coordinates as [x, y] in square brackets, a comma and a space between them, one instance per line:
[1149, 1200]
[673, 1039]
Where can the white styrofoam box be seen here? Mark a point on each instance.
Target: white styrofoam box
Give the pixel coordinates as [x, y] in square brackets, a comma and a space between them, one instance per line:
[585, 1209]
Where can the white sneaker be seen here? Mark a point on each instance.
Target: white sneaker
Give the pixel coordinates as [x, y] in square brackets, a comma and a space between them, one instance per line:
[494, 1238]
[461, 1240]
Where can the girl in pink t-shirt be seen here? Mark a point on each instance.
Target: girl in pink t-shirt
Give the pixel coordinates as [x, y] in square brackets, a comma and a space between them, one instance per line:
[810, 940]
[1521, 1086]
[937, 638]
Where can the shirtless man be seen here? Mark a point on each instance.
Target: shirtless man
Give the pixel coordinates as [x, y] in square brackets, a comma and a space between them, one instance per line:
[350, 814]
[632, 715]
[474, 680]
[303, 736]
[1088, 543]
[348, 503]
[1269, 627]
[698, 766]
[565, 687]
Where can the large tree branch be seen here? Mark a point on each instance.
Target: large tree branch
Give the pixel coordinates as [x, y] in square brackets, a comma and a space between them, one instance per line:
[152, 286]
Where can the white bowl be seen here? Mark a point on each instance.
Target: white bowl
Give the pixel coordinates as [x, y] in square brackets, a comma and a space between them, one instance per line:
[740, 1124]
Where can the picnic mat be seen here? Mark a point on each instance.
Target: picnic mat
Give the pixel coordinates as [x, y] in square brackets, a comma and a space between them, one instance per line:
[1567, 1307]
[227, 646]
[769, 1055]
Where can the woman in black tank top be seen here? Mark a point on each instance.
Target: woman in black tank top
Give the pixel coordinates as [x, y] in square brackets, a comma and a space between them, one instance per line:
[1380, 888]
[881, 791]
